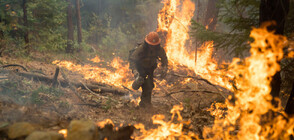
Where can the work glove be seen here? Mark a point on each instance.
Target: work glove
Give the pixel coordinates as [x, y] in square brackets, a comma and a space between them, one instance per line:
[136, 73]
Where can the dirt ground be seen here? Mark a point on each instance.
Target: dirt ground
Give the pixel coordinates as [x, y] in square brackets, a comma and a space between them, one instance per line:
[56, 111]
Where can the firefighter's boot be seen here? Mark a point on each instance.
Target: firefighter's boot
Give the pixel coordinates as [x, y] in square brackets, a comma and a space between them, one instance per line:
[138, 82]
[147, 88]
[146, 99]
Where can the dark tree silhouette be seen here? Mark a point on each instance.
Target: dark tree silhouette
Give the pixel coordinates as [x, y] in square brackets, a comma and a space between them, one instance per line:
[70, 32]
[25, 23]
[211, 14]
[276, 10]
[79, 21]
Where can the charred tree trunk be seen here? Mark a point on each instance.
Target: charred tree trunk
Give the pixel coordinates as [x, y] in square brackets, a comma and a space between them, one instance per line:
[274, 10]
[79, 21]
[211, 14]
[290, 104]
[70, 30]
[289, 109]
[25, 23]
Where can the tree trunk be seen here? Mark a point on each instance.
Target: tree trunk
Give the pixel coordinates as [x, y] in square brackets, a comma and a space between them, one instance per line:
[274, 10]
[198, 11]
[25, 23]
[2, 45]
[1, 31]
[79, 21]
[70, 30]
[211, 14]
[290, 104]
[289, 109]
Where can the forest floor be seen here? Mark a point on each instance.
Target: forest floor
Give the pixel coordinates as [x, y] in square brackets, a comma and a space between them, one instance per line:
[52, 108]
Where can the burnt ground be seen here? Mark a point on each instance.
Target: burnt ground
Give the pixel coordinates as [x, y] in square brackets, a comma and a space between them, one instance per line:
[52, 108]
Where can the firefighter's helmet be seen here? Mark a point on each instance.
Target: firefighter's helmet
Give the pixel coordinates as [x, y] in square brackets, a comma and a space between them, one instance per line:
[152, 38]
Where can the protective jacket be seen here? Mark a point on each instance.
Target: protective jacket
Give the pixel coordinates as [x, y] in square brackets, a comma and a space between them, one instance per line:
[143, 62]
[144, 58]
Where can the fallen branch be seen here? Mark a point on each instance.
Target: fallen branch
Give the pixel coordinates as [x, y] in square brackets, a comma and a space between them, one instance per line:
[127, 89]
[165, 90]
[92, 105]
[72, 88]
[206, 91]
[193, 77]
[88, 88]
[201, 79]
[15, 65]
[64, 83]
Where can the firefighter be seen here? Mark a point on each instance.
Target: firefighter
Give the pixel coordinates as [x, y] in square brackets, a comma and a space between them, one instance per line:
[143, 61]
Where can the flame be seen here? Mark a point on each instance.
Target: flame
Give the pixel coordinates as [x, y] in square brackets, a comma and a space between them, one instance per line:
[210, 21]
[96, 59]
[206, 27]
[118, 77]
[103, 123]
[63, 132]
[166, 130]
[174, 19]
[248, 117]
[252, 116]
[252, 79]
[117, 73]
[217, 110]
[135, 101]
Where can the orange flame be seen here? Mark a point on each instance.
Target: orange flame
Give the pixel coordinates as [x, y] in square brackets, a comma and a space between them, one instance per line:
[217, 110]
[253, 99]
[120, 76]
[174, 19]
[243, 119]
[63, 132]
[166, 130]
[117, 73]
[103, 123]
[96, 59]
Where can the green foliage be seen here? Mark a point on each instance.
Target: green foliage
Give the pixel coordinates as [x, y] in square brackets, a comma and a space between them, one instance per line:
[23, 92]
[112, 40]
[234, 43]
[118, 25]
[240, 16]
[8, 88]
[43, 93]
[119, 42]
[109, 103]
[108, 26]
[47, 20]
[46, 25]
[64, 104]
